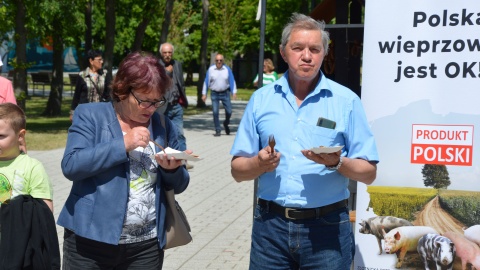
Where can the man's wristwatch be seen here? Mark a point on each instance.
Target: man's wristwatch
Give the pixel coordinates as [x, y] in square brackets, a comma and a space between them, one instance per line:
[334, 168]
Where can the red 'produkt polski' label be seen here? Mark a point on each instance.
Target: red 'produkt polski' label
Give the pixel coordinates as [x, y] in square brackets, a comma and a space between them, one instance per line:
[442, 144]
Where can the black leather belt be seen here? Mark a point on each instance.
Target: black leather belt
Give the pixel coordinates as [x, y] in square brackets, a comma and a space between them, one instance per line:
[301, 213]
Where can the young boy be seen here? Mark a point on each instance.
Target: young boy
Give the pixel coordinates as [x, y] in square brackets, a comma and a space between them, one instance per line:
[25, 175]
[27, 226]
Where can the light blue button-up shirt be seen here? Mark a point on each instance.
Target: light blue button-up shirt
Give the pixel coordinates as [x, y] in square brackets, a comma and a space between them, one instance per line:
[298, 181]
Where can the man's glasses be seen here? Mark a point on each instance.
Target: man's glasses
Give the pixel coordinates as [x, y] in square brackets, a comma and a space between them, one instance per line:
[5, 189]
[145, 104]
[98, 59]
[218, 60]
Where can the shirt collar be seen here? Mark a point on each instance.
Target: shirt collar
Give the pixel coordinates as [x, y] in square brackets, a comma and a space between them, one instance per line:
[322, 85]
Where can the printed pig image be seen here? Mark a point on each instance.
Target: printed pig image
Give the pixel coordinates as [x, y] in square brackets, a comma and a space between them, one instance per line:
[374, 226]
[473, 234]
[467, 251]
[403, 239]
[436, 249]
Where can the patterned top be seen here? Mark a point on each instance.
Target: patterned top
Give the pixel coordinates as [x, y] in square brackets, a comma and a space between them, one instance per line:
[140, 217]
[267, 78]
[90, 87]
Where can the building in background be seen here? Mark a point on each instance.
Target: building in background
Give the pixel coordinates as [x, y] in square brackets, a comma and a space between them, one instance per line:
[40, 54]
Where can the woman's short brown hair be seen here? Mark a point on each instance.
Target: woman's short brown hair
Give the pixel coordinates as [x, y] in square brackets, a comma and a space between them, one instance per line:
[139, 70]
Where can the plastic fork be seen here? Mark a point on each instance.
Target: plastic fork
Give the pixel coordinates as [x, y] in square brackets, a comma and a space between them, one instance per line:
[271, 143]
[159, 146]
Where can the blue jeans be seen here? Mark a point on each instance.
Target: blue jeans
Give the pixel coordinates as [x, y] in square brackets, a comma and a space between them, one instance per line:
[175, 114]
[81, 253]
[326, 243]
[225, 98]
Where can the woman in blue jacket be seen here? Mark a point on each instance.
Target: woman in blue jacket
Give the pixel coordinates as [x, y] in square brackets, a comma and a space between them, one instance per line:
[114, 216]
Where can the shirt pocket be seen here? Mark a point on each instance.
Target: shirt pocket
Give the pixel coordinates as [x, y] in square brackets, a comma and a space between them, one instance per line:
[316, 136]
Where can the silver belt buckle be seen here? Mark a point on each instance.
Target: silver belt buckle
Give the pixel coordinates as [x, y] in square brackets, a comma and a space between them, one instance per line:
[287, 215]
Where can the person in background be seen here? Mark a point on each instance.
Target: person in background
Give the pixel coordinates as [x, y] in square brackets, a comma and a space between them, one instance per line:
[114, 215]
[175, 96]
[26, 200]
[8, 95]
[301, 218]
[91, 85]
[269, 74]
[219, 79]
[6, 89]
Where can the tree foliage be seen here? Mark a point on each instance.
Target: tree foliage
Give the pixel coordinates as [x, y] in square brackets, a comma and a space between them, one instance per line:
[232, 28]
[435, 176]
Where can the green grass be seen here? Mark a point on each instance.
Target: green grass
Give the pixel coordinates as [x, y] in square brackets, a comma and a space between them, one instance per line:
[47, 133]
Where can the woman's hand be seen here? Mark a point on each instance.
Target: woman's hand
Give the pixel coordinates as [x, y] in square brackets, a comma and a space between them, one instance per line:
[168, 163]
[136, 137]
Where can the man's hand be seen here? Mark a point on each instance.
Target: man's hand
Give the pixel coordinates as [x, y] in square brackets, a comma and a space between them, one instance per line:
[204, 97]
[169, 68]
[268, 160]
[329, 160]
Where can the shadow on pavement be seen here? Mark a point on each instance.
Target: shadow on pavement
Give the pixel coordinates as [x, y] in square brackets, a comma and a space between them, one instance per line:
[205, 121]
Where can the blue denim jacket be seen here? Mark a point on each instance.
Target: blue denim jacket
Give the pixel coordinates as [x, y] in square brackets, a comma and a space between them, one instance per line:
[96, 161]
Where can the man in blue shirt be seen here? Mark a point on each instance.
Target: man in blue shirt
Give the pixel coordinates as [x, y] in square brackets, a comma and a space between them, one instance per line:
[301, 220]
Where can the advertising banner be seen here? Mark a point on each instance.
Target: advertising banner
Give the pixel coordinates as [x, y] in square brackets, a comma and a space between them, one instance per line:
[421, 93]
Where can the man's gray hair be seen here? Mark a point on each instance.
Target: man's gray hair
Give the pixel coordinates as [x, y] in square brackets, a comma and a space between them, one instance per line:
[302, 22]
[161, 45]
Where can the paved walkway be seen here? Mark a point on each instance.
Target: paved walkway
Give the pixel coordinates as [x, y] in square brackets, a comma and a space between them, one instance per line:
[218, 208]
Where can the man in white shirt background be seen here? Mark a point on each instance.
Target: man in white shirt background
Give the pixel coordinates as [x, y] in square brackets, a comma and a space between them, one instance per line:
[219, 79]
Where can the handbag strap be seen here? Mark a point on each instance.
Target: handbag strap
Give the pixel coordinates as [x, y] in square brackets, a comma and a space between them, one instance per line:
[102, 95]
[162, 122]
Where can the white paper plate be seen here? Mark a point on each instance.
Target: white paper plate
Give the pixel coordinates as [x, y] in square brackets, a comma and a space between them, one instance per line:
[326, 150]
[179, 154]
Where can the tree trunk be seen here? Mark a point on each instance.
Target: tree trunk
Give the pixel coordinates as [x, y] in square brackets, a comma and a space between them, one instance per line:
[165, 24]
[203, 53]
[54, 103]
[109, 37]
[88, 35]
[139, 34]
[140, 31]
[305, 7]
[189, 79]
[20, 66]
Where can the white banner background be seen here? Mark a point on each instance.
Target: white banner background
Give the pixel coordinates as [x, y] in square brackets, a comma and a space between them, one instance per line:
[423, 89]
